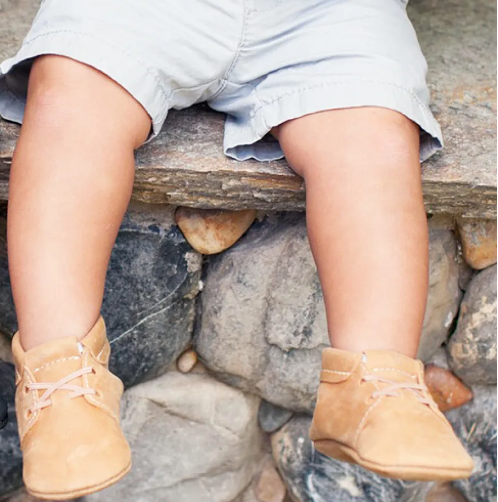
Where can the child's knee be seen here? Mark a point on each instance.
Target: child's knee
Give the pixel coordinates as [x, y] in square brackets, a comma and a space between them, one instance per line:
[65, 95]
[347, 137]
[57, 97]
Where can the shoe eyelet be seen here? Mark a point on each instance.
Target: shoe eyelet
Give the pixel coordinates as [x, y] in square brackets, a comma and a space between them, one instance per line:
[372, 397]
[28, 414]
[26, 390]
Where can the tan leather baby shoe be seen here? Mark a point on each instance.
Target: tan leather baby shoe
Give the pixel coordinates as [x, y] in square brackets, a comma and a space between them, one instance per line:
[67, 404]
[373, 409]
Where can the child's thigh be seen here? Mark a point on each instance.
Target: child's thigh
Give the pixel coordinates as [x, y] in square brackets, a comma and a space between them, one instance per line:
[352, 143]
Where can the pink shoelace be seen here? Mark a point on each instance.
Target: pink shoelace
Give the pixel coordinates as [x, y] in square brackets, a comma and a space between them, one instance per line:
[62, 384]
[419, 390]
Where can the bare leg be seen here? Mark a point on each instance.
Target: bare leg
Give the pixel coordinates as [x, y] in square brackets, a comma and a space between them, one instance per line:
[71, 181]
[366, 223]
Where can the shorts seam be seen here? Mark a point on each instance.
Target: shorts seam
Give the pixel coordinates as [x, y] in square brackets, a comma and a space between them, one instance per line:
[342, 82]
[166, 95]
[225, 79]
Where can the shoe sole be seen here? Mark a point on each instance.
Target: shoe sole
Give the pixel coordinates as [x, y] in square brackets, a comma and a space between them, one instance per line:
[83, 491]
[343, 453]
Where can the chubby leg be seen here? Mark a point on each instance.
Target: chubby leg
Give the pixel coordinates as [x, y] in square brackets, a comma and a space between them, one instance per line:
[71, 181]
[366, 223]
[368, 233]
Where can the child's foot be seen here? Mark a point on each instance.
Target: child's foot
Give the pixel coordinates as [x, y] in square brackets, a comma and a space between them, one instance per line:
[67, 404]
[373, 409]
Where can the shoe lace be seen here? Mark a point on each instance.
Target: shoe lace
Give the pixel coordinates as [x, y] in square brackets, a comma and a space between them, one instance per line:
[419, 390]
[62, 384]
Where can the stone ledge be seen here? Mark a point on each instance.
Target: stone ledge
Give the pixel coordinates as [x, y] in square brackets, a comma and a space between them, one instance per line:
[186, 166]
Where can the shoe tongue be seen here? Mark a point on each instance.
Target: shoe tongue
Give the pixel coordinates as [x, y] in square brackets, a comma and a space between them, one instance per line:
[55, 359]
[392, 365]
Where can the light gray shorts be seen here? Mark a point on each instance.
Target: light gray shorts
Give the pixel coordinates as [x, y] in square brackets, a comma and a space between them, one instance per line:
[262, 62]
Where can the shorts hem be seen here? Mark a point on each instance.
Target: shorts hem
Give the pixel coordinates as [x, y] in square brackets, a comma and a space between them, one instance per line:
[241, 140]
[119, 66]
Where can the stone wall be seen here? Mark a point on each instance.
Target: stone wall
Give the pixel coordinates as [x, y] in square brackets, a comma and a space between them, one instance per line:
[220, 354]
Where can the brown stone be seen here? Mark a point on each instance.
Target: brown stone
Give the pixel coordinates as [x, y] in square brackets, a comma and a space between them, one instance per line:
[211, 231]
[187, 361]
[478, 238]
[444, 492]
[270, 487]
[446, 389]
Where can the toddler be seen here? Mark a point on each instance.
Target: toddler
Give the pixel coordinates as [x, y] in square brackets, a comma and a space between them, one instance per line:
[341, 86]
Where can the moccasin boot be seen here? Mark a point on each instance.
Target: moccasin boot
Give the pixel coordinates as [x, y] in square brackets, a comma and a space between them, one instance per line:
[373, 409]
[67, 405]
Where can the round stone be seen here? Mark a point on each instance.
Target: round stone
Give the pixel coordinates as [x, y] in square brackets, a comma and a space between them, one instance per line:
[187, 361]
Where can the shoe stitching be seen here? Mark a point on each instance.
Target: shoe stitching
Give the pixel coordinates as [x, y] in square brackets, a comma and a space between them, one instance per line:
[362, 421]
[62, 359]
[420, 390]
[92, 399]
[99, 354]
[101, 405]
[25, 428]
[396, 369]
[28, 425]
[338, 372]
[365, 369]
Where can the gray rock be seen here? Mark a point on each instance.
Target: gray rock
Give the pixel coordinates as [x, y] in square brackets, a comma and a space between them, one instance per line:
[151, 285]
[247, 496]
[23, 496]
[272, 417]
[193, 439]
[472, 348]
[313, 477]
[262, 325]
[5, 349]
[266, 486]
[444, 291]
[10, 452]
[440, 359]
[465, 271]
[152, 281]
[475, 424]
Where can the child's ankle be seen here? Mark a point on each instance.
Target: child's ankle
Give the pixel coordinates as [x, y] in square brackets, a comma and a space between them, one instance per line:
[400, 347]
[31, 338]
